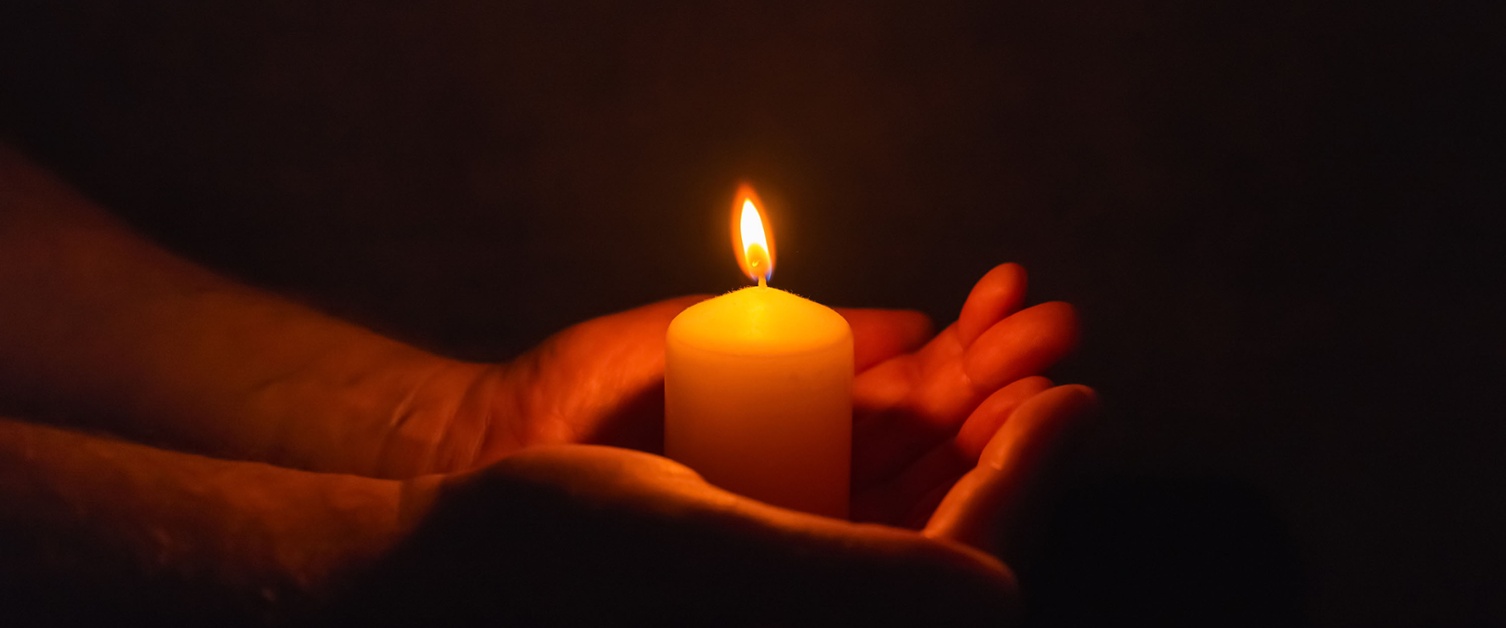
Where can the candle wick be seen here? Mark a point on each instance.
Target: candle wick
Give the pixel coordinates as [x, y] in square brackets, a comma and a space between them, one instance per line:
[762, 282]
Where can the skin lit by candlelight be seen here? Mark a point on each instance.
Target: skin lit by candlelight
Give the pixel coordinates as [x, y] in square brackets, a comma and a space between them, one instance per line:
[750, 236]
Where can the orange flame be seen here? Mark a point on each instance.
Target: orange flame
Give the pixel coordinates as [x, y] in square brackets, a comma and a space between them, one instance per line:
[751, 235]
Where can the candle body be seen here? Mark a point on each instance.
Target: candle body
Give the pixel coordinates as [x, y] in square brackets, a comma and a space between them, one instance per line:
[758, 398]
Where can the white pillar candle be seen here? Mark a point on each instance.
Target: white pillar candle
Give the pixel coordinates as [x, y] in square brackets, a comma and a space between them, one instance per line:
[758, 388]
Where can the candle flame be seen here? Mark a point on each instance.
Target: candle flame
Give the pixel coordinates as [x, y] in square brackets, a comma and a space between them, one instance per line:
[751, 236]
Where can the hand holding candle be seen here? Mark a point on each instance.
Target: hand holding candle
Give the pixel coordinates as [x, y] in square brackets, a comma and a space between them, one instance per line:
[923, 404]
[605, 533]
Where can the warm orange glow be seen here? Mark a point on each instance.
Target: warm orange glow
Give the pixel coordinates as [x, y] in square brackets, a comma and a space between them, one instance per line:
[751, 236]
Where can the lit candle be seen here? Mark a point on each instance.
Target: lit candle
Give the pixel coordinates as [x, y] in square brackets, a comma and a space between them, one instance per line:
[758, 386]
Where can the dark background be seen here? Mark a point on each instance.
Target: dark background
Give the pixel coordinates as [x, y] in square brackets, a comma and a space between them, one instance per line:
[1277, 220]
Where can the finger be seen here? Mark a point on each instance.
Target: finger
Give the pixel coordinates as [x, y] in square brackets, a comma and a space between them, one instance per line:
[903, 500]
[985, 421]
[1000, 292]
[984, 506]
[878, 335]
[1025, 343]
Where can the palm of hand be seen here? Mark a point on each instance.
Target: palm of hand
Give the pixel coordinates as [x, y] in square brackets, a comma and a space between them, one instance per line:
[923, 409]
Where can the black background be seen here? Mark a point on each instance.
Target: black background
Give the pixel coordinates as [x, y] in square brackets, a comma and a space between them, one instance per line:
[1275, 218]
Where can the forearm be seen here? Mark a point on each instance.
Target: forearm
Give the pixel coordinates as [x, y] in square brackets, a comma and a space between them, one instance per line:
[99, 325]
[86, 520]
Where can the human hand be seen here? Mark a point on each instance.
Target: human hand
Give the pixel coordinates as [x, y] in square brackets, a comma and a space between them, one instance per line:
[924, 406]
[585, 535]
[922, 417]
